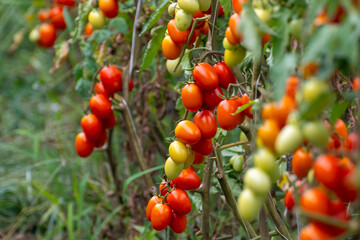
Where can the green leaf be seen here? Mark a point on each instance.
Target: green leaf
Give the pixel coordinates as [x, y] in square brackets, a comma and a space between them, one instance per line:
[155, 16]
[153, 47]
[100, 35]
[68, 20]
[338, 110]
[83, 87]
[119, 25]
[82, 18]
[48, 195]
[77, 72]
[226, 5]
[245, 106]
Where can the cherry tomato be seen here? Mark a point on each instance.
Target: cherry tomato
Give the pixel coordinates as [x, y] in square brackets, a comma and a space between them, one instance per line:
[205, 76]
[178, 223]
[88, 30]
[315, 200]
[212, 98]
[192, 97]
[101, 140]
[110, 122]
[289, 201]
[265, 160]
[347, 189]
[203, 147]
[193, 38]
[70, 3]
[268, 111]
[237, 162]
[301, 163]
[292, 84]
[233, 39]
[111, 78]
[187, 132]
[100, 106]
[43, 15]
[57, 17]
[249, 204]
[310, 69]
[237, 6]
[225, 117]
[356, 84]
[341, 130]
[247, 111]
[161, 215]
[257, 180]
[170, 49]
[178, 37]
[283, 109]
[83, 145]
[225, 74]
[92, 127]
[327, 171]
[173, 169]
[206, 122]
[178, 152]
[200, 24]
[163, 189]
[316, 133]
[110, 8]
[353, 141]
[265, 38]
[234, 57]
[268, 133]
[187, 180]
[47, 35]
[198, 158]
[96, 19]
[189, 6]
[170, 66]
[314, 232]
[179, 201]
[204, 4]
[99, 88]
[183, 20]
[234, 22]
[288, 139]
[151, 204]
[190, 158]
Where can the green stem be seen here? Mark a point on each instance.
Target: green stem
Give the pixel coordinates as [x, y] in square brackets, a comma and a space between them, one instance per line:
[256, 74]
[263, 225]
[271, 234]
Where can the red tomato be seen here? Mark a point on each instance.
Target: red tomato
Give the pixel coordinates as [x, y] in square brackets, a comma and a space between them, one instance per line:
[179, 201]
[111, 78]
[101, 140]
[192, 97]
[221, 11]
[206, 122]
[88, 30]
[57, 17]
[212, 98]
[353, 141]
[289, 200]
[205, 76]
[43, 15]
[151, 204]
[47, 35]
[110, 122]
[178, 37]
[161, 215]
[265, 38]
[225, 117]
[347, 190]
[237, 6]
[248, 111]
[131, 85]
[315, 200]
[193, 38]
[198, 158]
[170, 49]
[205, 29]
[187, 132]
[99, 88]
[163, 190]
[83, 146]
[178, 223]
[204, 147]
[225, 74]
[110, 8]
[327, 171]
[92, 127]
[314, 232]
[356, 84]
[200, 24]
[301, 163]
[187, 180]
[70, 3]
[100, 106]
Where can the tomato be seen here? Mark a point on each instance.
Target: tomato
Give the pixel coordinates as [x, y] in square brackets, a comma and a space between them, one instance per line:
[257, 180]
[234, 57]
[101, 106]
[192, 97]
[227, 45]
[171, 9]
[316, 133]
[111, 78]
[232, 39]
[353, 141]
[57, 17]
[265, 38]
[151, 204]
[289, 200]
[189, 6]
[96, 19]
[206, 122]
[110, 8]
[47, 35]
[205, 76]
[178, 223]
[225, 74]
[204, 5]
[101, 140]
[70, 3]
[179, 201]
[296, 28]
[200, 24]
[301, 163]
[43, 15]
[170, 49]
[88, 30]
[268, 133]
[310, 69]
[187, 132]
[292, 84]
[347, 189]
[183, 19]
[327, 171]
[341, 130]
[203, 147]
[187, 180]
[283, 109]
[288, 139]
[314, 232]
[205, 29]
[237, 6]
[212, 98]
[198, 158]
[109, 122]
[34, 35]
[237, 162]
[178, 37]
[315, 200]
[226, 119]
[170, 66]
[263, 14]
[178, 152]
[161, 215]
[234, 22]
[190, 158]
[91, 126]
[247, 111]
[249, 204]
[356, 84]
[83, 146]
[264, 159]
[173, 169]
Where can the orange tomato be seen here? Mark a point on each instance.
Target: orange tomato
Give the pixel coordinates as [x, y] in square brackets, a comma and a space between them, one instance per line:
[315, 200]
[205, 29]
[171, 50]
[110, 8]
[233, 40]
[314, 232]
[43, 15]
[192, 97]
[310, 69]
[356, 84]
[47, 35]
[292, 84]
[265, 38]
[301, 163]
[187, 132]
[237, 6]
[327, 171]
[234, 22]
[178, 37]
[268, 132]
[88, 30]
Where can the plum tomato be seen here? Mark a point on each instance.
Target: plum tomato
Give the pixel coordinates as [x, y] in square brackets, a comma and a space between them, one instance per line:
[301, 163]
[101, 106]
[206, 122]
[198, 158]
[83, 146]
[205, 76]
[161, 215]
[192, 97]
[225, 117]
[151, 204]
[57, 17]
[47, 36]
[327, 170]
[187, 180]
[173, 169]
[178, 37]
[179, 201]
[178, 152]
[92, 127]
[203, 147]
[187, 132]
[178, 223]
[110, 8]
[101, 140]
[170, 49]
[212, 98]
[225, 74]
[111, 78]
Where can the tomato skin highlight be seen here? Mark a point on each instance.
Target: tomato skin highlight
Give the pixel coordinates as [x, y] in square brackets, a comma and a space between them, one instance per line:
[151, 204]
[205, 76]
[161, 215]
[83, 146]
[187, 180]
[192, 97]
[187, 132]
[203, 147]
[225, 117]
[92, 127]
[225, 74]
[111, 78]
[100, 106]
[206, 122]
[179, 201]
[178, 223]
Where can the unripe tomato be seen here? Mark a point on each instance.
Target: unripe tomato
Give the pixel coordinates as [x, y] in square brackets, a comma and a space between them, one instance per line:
[315, 200]
[57, 17]
[205, 76]
[313, 231]
[170, 66]
[110, 8]
[101, 106]
[249, 205]
[101, 140]
[313, 89]
[289, 200]
[263, 14]
[301, 163]
[268, 133]
[257, 180]
[212, 98]
[265, 160]
[151, 204]
[275, 175]
[198, 158]
[190, 158]
[187, 180]
[192, 97]
[289, 139]
[204, 5]
[203, 147]
[34, 35]
[109, 122]
[171, 8]
[327, 171]
[190, 6]
[296, 28]
[179, 201]
[178, 152]
[187, 132]
[99, 88]
[227, 45]
[234, 57]
[161, 215]
[234, 22]
[237, 162]
[225, 117]
[316, 133]
[173, 169]
[96, 19]
[111, 78]
[43, 15]
[237, 6]
[88, 30]
[206, 122]
[178, 37]
[183, 20]
[225, 74]
[170, 50]
[92, 127]
[83, 146]
[232, 39]
[47, 35]
[178, 223]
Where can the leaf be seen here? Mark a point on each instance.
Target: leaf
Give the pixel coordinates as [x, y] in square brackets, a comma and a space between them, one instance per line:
[196, 200]
[245, 106]
[226, 5]
[82, 18]
[119, 25]
[68, 20]
[155, 16]
[229, 152]
[153, 47]
[337, 111]
[100, 35]
[61, 54]
[77, 72]
[48, 195]
[82, 87]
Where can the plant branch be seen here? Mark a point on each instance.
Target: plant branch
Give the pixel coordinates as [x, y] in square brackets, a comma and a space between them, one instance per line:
[263, 225]
[256, 74]
[271, 234]
[208, 53]
[214, 15]
[233, 144]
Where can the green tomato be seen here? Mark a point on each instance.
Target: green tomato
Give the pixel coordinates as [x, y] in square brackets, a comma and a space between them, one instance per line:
[312, 89]
[316, 133]
[296, 28]
[190, 6]
[34, 35]
[249, 204]
[237, 162]
[263, 14]
[275, 174]
[227, 45]
[190, 158]
[183, 20]
[204, 5]
[264, 159]
[171, 8]
[257, 180]
[178, 152]
[289, 139]
[173, 169]
[310, 176]
[234, 57]
[170, 66]
[96, 19]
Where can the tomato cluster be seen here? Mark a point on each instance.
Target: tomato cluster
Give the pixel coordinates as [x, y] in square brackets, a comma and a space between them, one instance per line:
[97, 17]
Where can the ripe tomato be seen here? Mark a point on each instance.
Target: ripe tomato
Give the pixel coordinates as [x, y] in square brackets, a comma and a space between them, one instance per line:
[315, 200]
[43, 15]
[310, 69]
[203, 147]
[288, 139]
[101, 140]
[183, 20]
[170, 49]
[47, 35]
[301, 163]
[205, 76]
[163, 189]
[70, 3]
[283, 108]
[206, 122]
[189, 6]
[237, 6]
[83, 146]
[173, 169]
[99, 88]
[247, 111]
[192, 97]
[161, 215]
[225, 74]
[100, 106]
[233, 40]
[96, 19]
[257, 180]
[268, 111]
[289, 200]
[327, 171]
[110, 122]
[187, 180]
[353, 141]
[179, 201]
[88, 30]
[341, 130]
[266, 37]
[151, 204]
[57, 17]
[205, 29]
[292, 84]
[178, 37]
[178, 223]
[198, 158]
[200, 24]
[110, 8]
[178, 152]
[92, 127]
[193, 38]
[356, 84]
[187, 132]
[268, 133]
[249, 204]
[234, 57]
[347, 189]
[234, 22]
[111, 78]
[212, 98]
[226, 119]
[314, 232]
